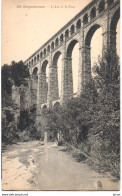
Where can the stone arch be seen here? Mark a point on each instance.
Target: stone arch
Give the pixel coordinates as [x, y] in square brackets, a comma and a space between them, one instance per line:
[48, 48]
[32, 61]
[113, 26]
[101, 6]
[44, 107]
[55, 58]
[72, 29]
[88, 51]
[72, 62]
[45, 52]
[52, 46]
[67, 33]
[41, 54]
[85, 19]
[61, 38]
[56, 42]
[70, 48]
[38, 57]
[44, 65]
[78, 24]
[93, 13]
[57, 106]
[114, 20]
[57, 103]
[90, 34]
[35, 70]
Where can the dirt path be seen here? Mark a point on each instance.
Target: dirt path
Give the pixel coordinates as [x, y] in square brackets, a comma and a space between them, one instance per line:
[34, 166]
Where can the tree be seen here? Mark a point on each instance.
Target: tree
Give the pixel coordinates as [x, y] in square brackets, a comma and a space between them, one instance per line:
[16, 74]
[107, 82]
[19, 72]
[104, 136]
[6, 84]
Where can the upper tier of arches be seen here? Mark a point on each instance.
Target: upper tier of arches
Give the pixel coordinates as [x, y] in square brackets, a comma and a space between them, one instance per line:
[89, 15]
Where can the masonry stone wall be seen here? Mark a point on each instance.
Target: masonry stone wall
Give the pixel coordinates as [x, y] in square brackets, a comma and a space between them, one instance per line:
[68, 80]
[16, 101]
[53, 84]
[43, 88]
[16, 95]
[25, 98]
[21, 97]
[33, 90]
[43, 93]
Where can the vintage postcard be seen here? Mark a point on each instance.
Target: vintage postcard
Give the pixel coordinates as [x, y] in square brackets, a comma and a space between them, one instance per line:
[60, 95]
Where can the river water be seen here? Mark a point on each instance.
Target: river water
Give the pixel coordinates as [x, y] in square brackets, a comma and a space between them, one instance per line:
[35, 166]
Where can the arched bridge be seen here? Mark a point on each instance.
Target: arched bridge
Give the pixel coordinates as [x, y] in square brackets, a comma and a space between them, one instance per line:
[99, 13]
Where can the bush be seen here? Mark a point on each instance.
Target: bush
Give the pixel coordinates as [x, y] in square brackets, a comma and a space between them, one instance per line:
[91, 122]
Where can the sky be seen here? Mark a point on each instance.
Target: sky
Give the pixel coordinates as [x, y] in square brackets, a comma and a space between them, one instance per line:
[25, 28]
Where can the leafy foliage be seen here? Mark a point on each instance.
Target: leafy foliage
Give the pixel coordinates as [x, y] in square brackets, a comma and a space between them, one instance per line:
[104, 136]
[19, 72]
[8, 125]
[16, 73]
[91, 122]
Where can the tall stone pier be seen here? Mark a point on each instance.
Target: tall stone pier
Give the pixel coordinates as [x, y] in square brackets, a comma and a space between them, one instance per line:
[45, 93]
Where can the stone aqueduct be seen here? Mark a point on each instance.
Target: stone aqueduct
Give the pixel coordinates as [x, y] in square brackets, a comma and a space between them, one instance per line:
[99, 13]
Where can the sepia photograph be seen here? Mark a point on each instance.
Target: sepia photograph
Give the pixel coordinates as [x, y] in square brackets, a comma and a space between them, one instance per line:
[60, 92]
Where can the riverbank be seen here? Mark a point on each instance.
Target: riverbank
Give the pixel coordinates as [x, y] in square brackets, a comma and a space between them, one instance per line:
[35, 166]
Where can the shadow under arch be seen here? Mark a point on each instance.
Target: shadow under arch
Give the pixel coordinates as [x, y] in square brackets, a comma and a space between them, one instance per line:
[113, 30]
[44, 66]
[44, 107]
[115, 20]
[57, 105]
[34, 73]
